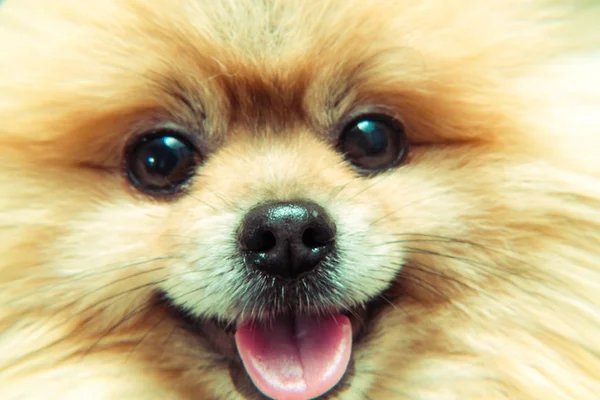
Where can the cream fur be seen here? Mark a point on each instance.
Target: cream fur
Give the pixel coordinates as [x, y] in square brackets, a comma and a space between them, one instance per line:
[489, 235]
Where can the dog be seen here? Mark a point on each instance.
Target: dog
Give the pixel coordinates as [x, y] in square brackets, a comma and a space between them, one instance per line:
[330, 199]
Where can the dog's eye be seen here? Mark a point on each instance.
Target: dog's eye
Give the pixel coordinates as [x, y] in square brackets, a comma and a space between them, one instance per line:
[374, 142]
[161, 162]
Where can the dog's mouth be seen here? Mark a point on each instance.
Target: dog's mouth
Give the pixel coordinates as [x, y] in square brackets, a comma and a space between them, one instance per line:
[288, 357]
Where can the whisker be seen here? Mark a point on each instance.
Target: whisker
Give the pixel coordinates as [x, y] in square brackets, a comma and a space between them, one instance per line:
[86, 275]
[421, 268]
[375, 182]
[84, 321]
[202, 202]
[336, 191]
[225, 201]
[146, 334]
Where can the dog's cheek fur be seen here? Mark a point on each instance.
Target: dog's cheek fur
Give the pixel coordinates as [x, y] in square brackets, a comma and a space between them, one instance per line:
[510, 313]
[490, 307]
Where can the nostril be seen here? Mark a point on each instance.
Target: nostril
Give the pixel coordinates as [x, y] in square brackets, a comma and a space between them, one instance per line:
[261, 242]
[314, 238]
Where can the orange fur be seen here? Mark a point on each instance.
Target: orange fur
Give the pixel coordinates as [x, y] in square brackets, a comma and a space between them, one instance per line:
[498, 207]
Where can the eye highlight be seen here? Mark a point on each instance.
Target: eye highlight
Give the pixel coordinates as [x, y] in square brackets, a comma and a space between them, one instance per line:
[374, 142]
[161, 162]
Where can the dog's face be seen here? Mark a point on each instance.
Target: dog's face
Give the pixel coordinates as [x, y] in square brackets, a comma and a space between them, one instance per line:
[284, 199]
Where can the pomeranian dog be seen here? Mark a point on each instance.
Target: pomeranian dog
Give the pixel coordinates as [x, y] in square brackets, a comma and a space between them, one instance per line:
[299, 199]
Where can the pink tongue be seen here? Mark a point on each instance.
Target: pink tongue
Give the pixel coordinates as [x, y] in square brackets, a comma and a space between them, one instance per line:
[296, 359]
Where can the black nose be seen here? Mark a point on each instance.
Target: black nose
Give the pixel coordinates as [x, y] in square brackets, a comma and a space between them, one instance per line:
[287, 239]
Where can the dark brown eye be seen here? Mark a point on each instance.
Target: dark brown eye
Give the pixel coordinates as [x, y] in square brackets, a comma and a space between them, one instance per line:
[161, 162]
[374, 142]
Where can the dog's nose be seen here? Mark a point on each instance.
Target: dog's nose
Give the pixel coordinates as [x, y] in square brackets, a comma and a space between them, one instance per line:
[287, 239]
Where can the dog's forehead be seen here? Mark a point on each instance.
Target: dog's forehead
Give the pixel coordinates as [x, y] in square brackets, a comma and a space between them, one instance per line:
[256, 64]
[268, 55]
[254, 95]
